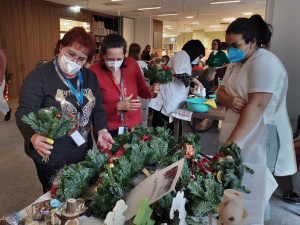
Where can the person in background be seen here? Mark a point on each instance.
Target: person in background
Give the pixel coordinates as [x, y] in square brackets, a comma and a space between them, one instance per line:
[205, 77]
[217, 60]
[164, 59]
[146, 53]
[173, 95]
[3, 104]
[121, 81]
[293, 196]
[254, 91]
[134, 52]
[54, 84]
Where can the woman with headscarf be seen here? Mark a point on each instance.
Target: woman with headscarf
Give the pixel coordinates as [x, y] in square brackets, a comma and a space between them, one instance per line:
[173, 95]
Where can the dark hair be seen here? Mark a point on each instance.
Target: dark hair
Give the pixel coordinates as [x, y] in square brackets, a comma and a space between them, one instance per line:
[145, 49]
[194, 48]
[134, 51]
[220, 47]
[78, 34]
[113, 41]
[253, 28]
[166, 57]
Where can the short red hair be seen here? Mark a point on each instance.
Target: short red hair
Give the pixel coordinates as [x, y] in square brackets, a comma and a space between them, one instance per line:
[79, 35]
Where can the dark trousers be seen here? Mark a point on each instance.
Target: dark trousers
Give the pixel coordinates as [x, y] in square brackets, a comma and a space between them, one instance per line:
[46, 174]
[159, 120]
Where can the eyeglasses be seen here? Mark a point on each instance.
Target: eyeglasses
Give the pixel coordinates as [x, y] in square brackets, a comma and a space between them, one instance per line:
[71, 55]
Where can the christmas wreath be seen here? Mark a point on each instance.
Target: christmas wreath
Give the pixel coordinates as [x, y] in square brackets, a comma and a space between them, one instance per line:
[203, 178]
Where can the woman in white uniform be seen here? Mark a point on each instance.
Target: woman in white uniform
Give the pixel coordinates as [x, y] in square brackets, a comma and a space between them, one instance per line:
[173, 95]
[254, 90]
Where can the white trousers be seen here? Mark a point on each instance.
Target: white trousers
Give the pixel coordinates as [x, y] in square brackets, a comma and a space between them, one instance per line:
[3, 104]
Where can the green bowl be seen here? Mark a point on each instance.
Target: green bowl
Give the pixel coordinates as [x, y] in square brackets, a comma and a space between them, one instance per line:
[195, 105]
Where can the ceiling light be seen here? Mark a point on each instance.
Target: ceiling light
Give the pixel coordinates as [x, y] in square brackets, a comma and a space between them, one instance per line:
[156, 7]
[214, 26]
[170, 28]
[167, 26]
[223, 2]
[170, 35]
[248, 13]
[169, 14]
[194, 22]
[187, 28]
[76, 8]
[189, 17]
[229, 19]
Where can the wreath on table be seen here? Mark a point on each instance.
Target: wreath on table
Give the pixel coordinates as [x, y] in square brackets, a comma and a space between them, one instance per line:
[203, 178]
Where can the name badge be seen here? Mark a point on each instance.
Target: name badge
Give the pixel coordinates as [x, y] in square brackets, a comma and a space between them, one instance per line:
[121, 130]
[77, 138]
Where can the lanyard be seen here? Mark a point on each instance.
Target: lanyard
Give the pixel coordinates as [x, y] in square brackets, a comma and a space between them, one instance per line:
[78, 93]
[122, 93]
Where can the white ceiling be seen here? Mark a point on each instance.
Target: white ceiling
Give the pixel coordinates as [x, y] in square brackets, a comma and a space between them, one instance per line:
[205, 13]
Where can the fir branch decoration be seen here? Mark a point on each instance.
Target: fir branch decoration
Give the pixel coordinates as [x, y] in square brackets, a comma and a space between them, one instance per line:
[50, 123]
[161, 75]
[203, 192]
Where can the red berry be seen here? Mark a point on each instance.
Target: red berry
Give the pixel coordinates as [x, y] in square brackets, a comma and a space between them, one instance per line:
[58, 115]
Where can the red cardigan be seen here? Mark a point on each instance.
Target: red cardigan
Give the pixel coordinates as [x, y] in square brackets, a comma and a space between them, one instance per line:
[135, 85]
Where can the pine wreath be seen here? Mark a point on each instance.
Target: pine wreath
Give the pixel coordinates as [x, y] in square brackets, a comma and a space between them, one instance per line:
[203, 190]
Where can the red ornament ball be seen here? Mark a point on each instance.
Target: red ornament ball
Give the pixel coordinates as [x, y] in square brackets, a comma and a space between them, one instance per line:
[58, 115]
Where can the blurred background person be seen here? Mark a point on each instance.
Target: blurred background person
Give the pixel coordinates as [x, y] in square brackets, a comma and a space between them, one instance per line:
[205, 77]
[121, 82]
[217, 60]
[146, 53]
[134, 52]
[164, 59]
[3, 104]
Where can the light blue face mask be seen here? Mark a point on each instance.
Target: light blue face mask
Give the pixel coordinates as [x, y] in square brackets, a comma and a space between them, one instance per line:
[236, 55]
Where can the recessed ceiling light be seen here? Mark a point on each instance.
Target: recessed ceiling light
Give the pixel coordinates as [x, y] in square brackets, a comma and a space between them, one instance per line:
[167, 26]
[194, 22]
[76, 8]
[214, 26]
[189, 17]
[149, 8]
[224, 2]
[248, 13]
[169, 14]
[229, 19]
[170, 28]
[187, 28]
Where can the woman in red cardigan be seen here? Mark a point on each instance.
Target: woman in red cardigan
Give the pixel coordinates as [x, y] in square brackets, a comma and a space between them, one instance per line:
[121, 81]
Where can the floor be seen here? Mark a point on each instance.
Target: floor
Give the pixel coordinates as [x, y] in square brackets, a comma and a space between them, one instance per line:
[19, 185]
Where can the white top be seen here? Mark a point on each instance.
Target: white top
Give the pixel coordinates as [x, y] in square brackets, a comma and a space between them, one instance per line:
[173, 95]
[142, 65]
[262, 72]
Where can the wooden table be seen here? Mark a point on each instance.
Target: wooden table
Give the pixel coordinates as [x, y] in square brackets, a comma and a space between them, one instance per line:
[212, 114]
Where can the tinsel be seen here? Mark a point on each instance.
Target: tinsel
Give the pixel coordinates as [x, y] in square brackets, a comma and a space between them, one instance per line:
[203, 192]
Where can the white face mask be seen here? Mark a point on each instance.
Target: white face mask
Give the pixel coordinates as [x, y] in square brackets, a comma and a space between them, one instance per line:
[69, 67]
[114, 66]
[196, 61]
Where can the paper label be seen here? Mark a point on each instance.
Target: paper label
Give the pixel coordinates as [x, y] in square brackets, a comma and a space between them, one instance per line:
[154, 187]
[77, 138]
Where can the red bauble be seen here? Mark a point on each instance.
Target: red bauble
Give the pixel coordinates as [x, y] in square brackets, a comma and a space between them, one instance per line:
[53, 190]
[58, 115]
